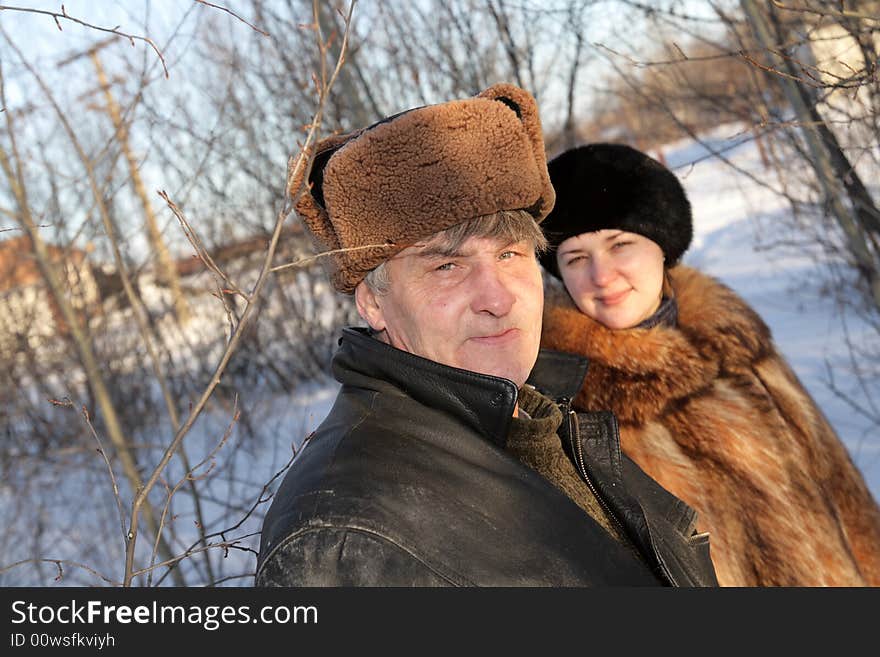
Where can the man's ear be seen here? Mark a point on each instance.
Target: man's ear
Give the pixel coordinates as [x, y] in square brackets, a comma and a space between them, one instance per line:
[368, 307]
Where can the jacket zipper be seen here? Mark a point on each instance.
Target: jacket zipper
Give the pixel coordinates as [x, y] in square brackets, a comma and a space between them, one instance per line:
[658, 559]
[573, 437]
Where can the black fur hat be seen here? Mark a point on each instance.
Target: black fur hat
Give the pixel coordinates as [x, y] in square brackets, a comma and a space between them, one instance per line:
[602, 186]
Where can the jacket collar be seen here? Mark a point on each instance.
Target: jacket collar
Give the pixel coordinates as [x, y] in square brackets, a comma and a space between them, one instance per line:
[557, 374]
[482, 402]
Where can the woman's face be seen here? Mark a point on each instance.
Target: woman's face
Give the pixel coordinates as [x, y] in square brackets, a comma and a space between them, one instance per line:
[613, 276]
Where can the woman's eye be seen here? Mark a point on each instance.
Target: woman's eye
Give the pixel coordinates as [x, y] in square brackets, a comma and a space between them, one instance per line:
[507, 255]
[618, 245]
[574, 260]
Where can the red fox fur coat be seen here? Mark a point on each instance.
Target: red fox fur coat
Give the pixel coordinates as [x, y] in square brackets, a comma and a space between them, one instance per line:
[713, 412]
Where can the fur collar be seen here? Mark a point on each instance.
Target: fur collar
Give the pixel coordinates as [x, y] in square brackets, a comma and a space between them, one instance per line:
[638, 373]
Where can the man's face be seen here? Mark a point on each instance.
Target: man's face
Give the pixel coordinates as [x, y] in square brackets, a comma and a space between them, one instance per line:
[477, 308]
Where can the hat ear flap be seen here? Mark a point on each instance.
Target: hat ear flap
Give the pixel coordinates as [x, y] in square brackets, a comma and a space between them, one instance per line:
[310, 204]
[316, 175]
[526, 109]
[511, 104]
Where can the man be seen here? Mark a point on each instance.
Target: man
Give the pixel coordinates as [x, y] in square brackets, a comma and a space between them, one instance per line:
[438, 465]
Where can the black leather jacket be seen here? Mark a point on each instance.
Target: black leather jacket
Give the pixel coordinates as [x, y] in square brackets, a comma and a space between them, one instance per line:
[406, 483]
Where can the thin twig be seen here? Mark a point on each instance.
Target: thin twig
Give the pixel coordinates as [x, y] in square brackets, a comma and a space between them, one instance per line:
[666, 62]
[305, 261]
[259, 501]
[6, 230]
[103, 452]
[827, 11]
[770, 69]
[253, 27]
[112, 30]
[190, 477]
[197, 244]
[58, 563]
[177, 559]
[231, 577]
[203, 255]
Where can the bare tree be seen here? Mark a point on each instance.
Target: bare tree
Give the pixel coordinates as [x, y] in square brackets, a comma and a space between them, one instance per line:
[847, 198]
[240, 299]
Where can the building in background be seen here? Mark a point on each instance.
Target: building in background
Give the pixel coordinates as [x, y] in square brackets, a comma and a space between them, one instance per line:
[29, 316]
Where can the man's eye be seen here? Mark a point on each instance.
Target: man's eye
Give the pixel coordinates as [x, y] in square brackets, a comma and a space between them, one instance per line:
[446, 266]
[507, 255]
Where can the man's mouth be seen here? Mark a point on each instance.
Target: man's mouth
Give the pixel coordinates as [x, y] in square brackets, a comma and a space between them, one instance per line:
[501, 337]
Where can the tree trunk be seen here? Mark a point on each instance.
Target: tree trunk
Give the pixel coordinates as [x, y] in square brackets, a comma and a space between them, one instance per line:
[827, 159]
[83, 345]
[165, 266]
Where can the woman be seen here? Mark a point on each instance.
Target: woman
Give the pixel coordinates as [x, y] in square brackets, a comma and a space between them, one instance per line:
[705, 403]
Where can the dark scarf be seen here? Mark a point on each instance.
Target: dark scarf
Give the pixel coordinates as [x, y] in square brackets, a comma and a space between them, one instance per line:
[665, 315]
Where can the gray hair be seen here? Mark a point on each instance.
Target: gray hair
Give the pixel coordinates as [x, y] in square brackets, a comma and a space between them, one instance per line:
[510, 225]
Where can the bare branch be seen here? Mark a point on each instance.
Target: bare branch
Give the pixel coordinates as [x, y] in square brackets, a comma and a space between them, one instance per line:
[6, 230]
[253, 27]
[58, 563]
[112, 30]
[85, 415]
[302, 262]
[262, 498]
[197, 244]
[180, 557]
[826, 10]
[776, 71]
[190, 477]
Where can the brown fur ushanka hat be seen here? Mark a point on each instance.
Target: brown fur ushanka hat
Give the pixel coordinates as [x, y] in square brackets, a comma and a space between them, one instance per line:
[420, 172]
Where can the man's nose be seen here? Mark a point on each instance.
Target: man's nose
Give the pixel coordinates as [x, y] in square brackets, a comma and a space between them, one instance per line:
[491, 292]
